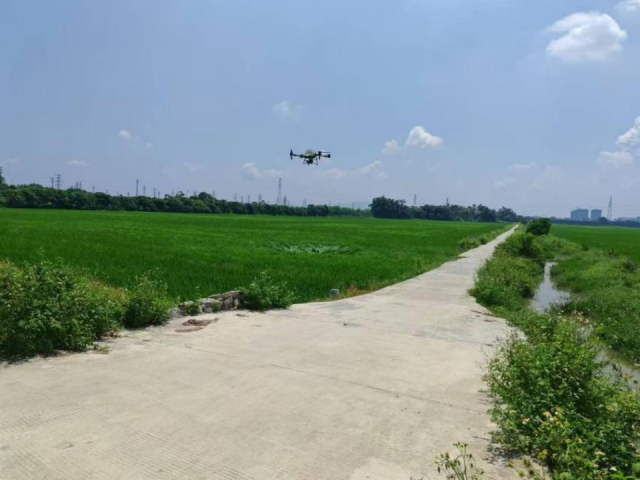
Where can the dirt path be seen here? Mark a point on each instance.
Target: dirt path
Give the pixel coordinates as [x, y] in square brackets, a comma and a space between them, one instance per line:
[369, 388]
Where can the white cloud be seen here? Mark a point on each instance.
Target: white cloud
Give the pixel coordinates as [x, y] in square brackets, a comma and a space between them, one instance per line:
[587, 37]
[615, 159]
[9, 161]
[192, 167]
[78, 163]
[629, 7]
[285, 110]
[630, 139]
[127, 135]
[391, 147]
[522, 167]
[420, 138]
[503, 183]
[374, 169]
[250, 170]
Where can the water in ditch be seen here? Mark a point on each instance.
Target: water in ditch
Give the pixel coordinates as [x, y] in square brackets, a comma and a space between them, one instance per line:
[548, 295]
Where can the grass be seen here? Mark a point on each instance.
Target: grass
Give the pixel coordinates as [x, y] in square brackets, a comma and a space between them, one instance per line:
[625, 241]
[198, 255]
[605, 288]
[552, 398]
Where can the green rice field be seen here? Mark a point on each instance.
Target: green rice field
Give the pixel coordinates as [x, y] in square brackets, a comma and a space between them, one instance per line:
[198, 255]
[625, 241]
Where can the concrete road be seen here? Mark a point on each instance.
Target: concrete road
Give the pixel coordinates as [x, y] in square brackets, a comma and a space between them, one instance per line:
[369, 388]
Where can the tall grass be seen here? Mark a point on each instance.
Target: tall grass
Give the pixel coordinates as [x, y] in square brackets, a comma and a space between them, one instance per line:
[605, 287]
[206, 254]
[552, 397]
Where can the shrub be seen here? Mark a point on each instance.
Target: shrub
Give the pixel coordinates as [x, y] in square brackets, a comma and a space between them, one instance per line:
[552, 401]
[523, 245]
[264, 293]
[539, 227]
[507, 282]
[552, 397]
[45, 307]
[147, 303]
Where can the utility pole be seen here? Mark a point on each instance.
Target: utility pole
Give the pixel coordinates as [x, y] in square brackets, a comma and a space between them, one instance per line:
[58, 181]
[137, 183]
[279, 199]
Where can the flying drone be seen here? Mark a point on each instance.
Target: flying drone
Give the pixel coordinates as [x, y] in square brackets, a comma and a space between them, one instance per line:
[310, 157]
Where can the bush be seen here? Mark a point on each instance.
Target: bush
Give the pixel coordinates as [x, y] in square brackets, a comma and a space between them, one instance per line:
[523, 245]
[264, 293]
[147, 303]
[507, 282]
[552, 398]
[44, 308]
[539, 227]
[552, 401]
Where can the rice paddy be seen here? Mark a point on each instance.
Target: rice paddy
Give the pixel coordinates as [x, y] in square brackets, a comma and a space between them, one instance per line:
[198, 255]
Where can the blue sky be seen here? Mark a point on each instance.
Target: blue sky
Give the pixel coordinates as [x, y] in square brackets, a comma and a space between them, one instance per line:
[525, 103]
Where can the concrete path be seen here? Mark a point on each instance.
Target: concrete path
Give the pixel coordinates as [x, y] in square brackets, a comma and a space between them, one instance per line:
[369, 388]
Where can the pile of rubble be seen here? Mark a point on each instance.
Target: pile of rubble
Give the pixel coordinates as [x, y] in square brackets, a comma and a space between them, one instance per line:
[214, 303]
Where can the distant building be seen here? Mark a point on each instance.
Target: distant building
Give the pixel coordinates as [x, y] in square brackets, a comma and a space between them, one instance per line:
[596, 215]
[580, 215]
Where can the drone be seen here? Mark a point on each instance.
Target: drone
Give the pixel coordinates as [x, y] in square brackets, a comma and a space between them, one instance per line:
[310, 157]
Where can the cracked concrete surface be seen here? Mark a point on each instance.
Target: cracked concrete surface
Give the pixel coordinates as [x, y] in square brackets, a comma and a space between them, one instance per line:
[369, 388]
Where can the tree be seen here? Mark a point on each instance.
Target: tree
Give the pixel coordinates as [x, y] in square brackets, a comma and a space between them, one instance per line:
[539, 226]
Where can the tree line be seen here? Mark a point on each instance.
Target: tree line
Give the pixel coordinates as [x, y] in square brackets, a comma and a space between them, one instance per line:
[383, 207]
[37, 196]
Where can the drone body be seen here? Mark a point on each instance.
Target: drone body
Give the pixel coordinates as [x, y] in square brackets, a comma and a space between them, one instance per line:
[310, 157]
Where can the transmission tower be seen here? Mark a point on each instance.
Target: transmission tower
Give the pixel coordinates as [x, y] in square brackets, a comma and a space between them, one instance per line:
[284, 201]
[415, 199]
[58, 181]
[304, 202]
[52, 182]
[144, 190]
[241, 198]
[260, 198]
[279, 199]
[610, 211]
[248, 198]
[137, 184]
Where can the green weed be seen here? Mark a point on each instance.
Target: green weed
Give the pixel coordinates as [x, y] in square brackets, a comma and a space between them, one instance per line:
[552, 399]
[264, 293]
